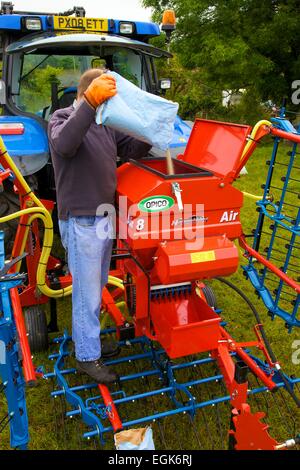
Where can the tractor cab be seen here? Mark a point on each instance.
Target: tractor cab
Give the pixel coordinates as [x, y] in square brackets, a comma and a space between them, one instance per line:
[43, 56]
[46, 68]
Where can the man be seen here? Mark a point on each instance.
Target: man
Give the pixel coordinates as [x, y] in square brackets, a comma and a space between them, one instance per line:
[84, 158]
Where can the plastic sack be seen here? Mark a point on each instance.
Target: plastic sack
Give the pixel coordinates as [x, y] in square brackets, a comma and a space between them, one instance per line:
[135, 112]
[135, 439]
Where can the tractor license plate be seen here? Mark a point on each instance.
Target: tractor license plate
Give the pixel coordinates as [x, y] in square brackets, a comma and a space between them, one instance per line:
[80, 24]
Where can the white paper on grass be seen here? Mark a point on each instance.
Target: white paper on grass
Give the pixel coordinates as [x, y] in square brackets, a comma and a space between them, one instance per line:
[139, 114]
[135, 439]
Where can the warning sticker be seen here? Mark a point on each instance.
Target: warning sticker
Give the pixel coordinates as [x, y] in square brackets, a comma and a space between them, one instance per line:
[203, 256]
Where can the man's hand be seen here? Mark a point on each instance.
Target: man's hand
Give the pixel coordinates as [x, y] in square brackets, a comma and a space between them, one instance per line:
[100, 89]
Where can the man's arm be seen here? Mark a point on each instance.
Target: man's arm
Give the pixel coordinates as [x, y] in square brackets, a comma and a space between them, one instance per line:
[129, 147]
[67, 132]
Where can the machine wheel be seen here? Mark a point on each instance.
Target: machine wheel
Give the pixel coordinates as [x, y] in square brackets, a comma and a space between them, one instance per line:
[37, 329]
[210, 296]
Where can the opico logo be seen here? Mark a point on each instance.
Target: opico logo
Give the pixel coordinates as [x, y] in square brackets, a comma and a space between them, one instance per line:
[156, 204]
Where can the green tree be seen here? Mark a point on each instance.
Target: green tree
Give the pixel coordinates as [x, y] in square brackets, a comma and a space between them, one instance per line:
[36, 88]
[189, 86]
[250, 44]
[200, 96]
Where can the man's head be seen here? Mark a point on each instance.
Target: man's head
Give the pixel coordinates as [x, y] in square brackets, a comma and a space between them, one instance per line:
[86, 79]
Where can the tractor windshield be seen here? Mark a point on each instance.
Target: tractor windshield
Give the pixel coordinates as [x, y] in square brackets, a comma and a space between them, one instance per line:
[40, 76]
[45, 72]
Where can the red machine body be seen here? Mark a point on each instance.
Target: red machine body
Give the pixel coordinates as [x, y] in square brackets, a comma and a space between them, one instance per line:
[140, 180]
[176, 231]
[181, 229]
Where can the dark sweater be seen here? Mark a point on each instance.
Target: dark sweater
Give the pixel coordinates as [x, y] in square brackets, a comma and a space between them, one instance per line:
[84, 159]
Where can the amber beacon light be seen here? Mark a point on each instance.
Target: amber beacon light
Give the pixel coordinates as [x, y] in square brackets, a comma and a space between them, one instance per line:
[168, 22]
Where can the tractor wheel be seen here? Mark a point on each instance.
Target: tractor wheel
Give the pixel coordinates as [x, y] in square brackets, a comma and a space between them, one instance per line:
[9, 203]
[37, 329]
[210, 296]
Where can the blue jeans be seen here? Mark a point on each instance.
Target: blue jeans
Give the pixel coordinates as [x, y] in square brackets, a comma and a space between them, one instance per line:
[89, 260]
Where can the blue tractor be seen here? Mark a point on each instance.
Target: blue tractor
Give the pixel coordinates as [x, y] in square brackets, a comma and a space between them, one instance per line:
[43, 56]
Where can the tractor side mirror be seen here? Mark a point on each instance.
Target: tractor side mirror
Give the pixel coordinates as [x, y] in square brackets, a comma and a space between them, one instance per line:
[164, 85]
[2, 92]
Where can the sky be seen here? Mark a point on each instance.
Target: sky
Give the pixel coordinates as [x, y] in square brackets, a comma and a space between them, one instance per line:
[117, 9]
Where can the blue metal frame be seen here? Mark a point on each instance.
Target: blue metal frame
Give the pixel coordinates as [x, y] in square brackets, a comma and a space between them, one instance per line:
[275, 213]
[10, 367]
[95, 414]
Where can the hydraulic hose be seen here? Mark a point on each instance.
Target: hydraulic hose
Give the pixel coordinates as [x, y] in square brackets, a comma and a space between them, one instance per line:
[252, 196]
[255, 130]
[264, 337]
[40, 212]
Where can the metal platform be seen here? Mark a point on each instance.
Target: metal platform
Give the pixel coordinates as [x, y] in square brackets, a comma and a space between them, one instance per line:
[153, 390]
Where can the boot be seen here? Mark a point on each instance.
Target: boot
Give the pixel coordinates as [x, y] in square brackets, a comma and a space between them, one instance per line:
[109, 349]
[98, 371]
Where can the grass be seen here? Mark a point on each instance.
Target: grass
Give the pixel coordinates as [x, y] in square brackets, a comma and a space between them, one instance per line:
[49, 429]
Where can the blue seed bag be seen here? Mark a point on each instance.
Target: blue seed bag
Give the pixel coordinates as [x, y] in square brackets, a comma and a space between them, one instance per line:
[135, 112]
